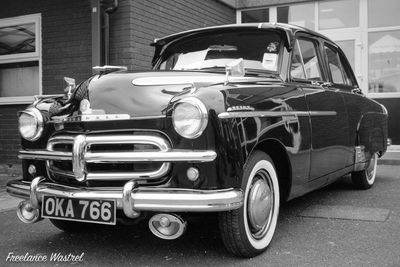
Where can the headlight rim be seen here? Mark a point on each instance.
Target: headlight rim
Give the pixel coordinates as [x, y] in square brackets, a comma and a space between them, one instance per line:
[35, 113]
[204, 115]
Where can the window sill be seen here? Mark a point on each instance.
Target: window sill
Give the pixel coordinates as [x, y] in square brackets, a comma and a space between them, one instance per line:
[17, 100]
[384, 95]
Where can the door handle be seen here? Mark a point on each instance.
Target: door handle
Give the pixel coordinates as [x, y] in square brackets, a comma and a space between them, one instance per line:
[356, 91]
[323, 84]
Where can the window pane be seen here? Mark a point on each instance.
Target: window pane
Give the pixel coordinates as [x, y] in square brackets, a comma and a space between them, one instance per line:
[383, 13]
[259, 50]
[19, 79]
[348, 49]
[297, 68]
[338, 14]
[384, 61]
[301, 15]
[310, 59]
[258, 15]
[17, 39]
[334, 65]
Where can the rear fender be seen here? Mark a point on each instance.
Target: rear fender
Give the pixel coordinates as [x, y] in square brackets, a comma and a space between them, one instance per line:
[372, 132]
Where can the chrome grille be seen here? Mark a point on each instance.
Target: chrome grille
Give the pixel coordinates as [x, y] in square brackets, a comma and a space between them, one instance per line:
[107, 157]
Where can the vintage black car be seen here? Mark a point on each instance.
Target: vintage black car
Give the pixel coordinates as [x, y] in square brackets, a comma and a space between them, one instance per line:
[232, 119]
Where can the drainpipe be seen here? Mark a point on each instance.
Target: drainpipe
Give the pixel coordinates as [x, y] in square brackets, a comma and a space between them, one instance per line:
[107, 11]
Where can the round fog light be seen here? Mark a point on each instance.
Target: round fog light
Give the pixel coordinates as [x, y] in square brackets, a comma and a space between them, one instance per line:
[192, 174]
[32, 170]
[26, 213]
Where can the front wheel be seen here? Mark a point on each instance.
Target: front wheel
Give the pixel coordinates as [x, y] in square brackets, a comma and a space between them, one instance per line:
[365, 179]
[248, 231]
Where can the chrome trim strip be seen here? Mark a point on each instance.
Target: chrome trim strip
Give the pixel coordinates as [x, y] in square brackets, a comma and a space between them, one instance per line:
[170, 156]
[97, 117]
[159, 142]
[247, 114]
[140, 198]
[61, 139]
[149, 117]
[44, 155]
[124, 176]
[323, 113]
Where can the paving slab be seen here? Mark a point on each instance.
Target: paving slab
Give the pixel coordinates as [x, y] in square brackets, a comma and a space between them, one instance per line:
[346, 213]
[8, 202]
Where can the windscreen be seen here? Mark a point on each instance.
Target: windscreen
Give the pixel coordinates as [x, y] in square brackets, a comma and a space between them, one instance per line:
[260, 50]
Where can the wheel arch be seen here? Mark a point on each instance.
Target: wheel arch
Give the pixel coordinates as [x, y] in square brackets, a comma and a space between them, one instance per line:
[372, 132]
[276, 150]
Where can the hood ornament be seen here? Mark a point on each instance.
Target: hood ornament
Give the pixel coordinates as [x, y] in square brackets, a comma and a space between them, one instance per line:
[70, 86]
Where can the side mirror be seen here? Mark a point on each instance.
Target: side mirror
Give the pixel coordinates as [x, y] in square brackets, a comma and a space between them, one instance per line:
[234, 68]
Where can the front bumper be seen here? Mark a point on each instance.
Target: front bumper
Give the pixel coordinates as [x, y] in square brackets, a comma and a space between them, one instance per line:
[131, 198]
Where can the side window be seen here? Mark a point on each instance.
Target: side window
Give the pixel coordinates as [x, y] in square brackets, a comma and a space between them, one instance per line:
[305, 62]
[347, 72]
[297, 66]
[334, 65]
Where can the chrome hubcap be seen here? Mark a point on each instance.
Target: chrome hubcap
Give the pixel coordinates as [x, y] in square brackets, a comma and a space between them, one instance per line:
[260, 203]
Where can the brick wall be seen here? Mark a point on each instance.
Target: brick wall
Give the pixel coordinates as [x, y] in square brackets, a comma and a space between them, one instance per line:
[9, 134]
[66, 51]
[66, 41]
[136, 24]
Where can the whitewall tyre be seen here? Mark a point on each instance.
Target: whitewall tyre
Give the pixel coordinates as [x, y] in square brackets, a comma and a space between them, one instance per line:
[248, 231]
[366, 178]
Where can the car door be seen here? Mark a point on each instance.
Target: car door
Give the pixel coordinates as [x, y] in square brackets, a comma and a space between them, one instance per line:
[328, 116]
[344, 81]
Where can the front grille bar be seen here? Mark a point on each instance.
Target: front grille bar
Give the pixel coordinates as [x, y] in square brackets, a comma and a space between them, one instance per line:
[81, 155]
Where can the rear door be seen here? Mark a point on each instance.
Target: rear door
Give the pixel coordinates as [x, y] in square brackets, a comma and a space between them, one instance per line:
[344, 82]
[328, 116]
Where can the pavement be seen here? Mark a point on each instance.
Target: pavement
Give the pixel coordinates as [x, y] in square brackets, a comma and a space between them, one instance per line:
[391, 157]
[7, 202]
[334, 226]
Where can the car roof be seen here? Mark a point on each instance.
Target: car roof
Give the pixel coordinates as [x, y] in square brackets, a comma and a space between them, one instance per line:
[289, 29]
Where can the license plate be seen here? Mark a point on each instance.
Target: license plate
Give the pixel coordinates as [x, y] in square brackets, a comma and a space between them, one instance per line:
[82, 210]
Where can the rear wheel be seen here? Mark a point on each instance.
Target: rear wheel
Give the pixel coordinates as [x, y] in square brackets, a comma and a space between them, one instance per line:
[248, 231]
[365, 179]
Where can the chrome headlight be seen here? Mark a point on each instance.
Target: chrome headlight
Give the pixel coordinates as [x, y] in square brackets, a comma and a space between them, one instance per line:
[190, 117]
[30, 124]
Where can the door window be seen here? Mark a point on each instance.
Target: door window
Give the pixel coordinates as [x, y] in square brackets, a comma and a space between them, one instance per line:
[339, 69]
[334, 65]
[305, 62]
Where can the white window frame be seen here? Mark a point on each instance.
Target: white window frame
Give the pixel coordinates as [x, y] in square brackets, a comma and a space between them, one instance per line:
[23, 57]
[361, 31]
